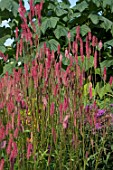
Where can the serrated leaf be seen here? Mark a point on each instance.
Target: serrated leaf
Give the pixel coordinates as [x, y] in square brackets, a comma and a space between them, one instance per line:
[104, 90]
[81, 6]
[60, 31]
[94, 18]
[106, 24]
[106, 63]
[84, 29]
[108, 43]
[51, 6]
[48, 23]
[53, 44]
[9, 5]
[59, 11]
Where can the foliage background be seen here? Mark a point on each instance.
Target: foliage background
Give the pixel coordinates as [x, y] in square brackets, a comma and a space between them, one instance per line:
[59, 18]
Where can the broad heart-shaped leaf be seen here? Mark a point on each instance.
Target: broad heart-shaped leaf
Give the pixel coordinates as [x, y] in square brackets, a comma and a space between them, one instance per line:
[60, 31]
[106, 24]
[108, 43]
[104, 90]
[94, 18]
[3, 39]
[81, 6]
[59, 11]
[48, 23]
[106, 63]
[84, 29]
[10, 5]
[53, 44]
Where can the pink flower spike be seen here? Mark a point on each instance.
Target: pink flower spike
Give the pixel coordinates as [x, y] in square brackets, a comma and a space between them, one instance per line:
[90, 91]
[104, 74]
[65, 121]
[2, 164]
[111, 80]
[78, 32]
[52, 108]
[95, 60]
[29, 150]
[69, 35]
[100, 44]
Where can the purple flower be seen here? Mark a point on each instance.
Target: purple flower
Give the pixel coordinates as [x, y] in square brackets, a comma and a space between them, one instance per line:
[98, 126]
[111, 105]
[100, 113]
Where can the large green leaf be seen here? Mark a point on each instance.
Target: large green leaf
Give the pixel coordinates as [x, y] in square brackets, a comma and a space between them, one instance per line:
[106, 24]
[108, 43]
[84, 29]
[10, 5]
[106, 63]
[48, 23]
[53, 44]
[81, 6]
[60, 31]
[97, 2]
[104, 90]
[94, 18]
[59, 11]
[108, 2]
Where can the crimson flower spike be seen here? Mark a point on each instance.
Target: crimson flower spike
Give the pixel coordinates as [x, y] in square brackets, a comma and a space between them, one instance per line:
[78, 32]
[104, 74]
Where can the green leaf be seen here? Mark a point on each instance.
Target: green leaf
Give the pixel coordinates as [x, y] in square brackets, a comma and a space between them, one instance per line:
[48, 23]
[98, 71]
[104, 90]
[106, 63]
[65, 61]
[60, 31]
[59, 11]
[94, 18]
[106, 24]
[9, 67]
[2, 49]
[108, 43]
[3, 39]
[10, 5]
[81, 6]
[84, 29]
[97, 2]
[108, 2]
[53, 44]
